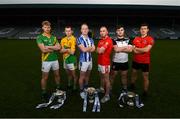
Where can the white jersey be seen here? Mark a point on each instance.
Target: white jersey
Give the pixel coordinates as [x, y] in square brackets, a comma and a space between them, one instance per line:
[121, 57]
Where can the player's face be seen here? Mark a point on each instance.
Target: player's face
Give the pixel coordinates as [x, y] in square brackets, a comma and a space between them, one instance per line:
[103, 32]
[120, 32]
[46, 28]
[144, 30]
[68, 31]
[84, 30]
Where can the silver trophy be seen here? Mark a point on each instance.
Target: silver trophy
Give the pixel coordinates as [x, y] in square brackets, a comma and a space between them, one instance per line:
[130, 99]
[59, 95]
[92, 95]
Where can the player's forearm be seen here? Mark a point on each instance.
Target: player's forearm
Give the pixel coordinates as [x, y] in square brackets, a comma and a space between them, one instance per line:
[100, 50]
[128, 50]
[84, 49]
[45, 50]
[137, 51]
[93, 49]
[119, 49]
[142, 50]
[71, 52]
[53, 47]
[63, 50]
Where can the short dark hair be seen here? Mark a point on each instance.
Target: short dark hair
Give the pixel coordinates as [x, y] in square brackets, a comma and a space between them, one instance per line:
[104, 27]
[46, 23]
[144, 24]
[68, 26]
[119, 26]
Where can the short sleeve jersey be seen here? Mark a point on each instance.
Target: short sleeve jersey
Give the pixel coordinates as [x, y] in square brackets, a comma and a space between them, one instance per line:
[41, 39]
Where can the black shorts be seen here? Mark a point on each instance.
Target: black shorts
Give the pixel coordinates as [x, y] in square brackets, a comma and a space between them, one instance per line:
[140, 66]
[120, 66]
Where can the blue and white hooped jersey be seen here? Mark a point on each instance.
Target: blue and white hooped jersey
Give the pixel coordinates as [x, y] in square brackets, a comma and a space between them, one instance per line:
[86, 42]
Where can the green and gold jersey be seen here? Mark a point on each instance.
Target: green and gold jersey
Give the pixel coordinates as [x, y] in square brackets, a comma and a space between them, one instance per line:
[69, 43]
[48, 42]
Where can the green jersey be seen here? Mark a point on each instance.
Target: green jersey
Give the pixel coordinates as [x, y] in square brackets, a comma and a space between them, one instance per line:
[48, 42]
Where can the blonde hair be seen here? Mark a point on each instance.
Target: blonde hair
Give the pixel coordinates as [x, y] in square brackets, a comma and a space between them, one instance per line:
[47, 23]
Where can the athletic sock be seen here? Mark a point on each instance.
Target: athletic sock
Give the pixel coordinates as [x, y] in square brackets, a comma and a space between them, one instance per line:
[145, 93]
[44, 95]
[43, 92]
[74, 86]
[124, 88]
[85, 85]
[69, 82]
[58, 86]
[132, 86]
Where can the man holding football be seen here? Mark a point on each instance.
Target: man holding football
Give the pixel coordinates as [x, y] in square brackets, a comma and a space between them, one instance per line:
[141, 58]
[104, 49]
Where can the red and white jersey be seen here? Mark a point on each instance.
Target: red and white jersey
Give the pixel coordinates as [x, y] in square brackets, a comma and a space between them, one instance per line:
[140, 42]
[104, 58]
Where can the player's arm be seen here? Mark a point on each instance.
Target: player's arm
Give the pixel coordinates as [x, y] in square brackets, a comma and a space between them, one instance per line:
[43, 48]
[142, 50]
[81, 46]
[63, 50]
[84, 49]
[119, 49]
[129, 47]
[93, 48]
[55, 47]
[103, 48]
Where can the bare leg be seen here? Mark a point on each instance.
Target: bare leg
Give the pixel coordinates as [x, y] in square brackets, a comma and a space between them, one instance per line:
[57, 78]
[44, 80]
[102, 83]
[88, 73]
[44, 85]
[124, 78]
[69, 77]
[73, 74]
[81, 80]
[146, 81]
[133, 78]
[112, 76]
[107, 83]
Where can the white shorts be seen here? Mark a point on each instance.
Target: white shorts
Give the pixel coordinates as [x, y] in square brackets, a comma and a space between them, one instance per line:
[47, 65]
[84, 66]
[104, 68]
[71, 66]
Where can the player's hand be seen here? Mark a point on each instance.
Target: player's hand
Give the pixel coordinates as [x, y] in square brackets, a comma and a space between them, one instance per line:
[56, 47]
[90, 48]
[68, 51]
[130, 48]
[135, 50]
[63, 50]
[48, 49]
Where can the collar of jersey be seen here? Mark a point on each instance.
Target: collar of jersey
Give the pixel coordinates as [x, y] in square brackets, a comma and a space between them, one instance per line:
[46, 36]
[84, 37]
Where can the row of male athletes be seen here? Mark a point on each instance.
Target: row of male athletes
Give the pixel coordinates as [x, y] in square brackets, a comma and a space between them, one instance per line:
[140, 48]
